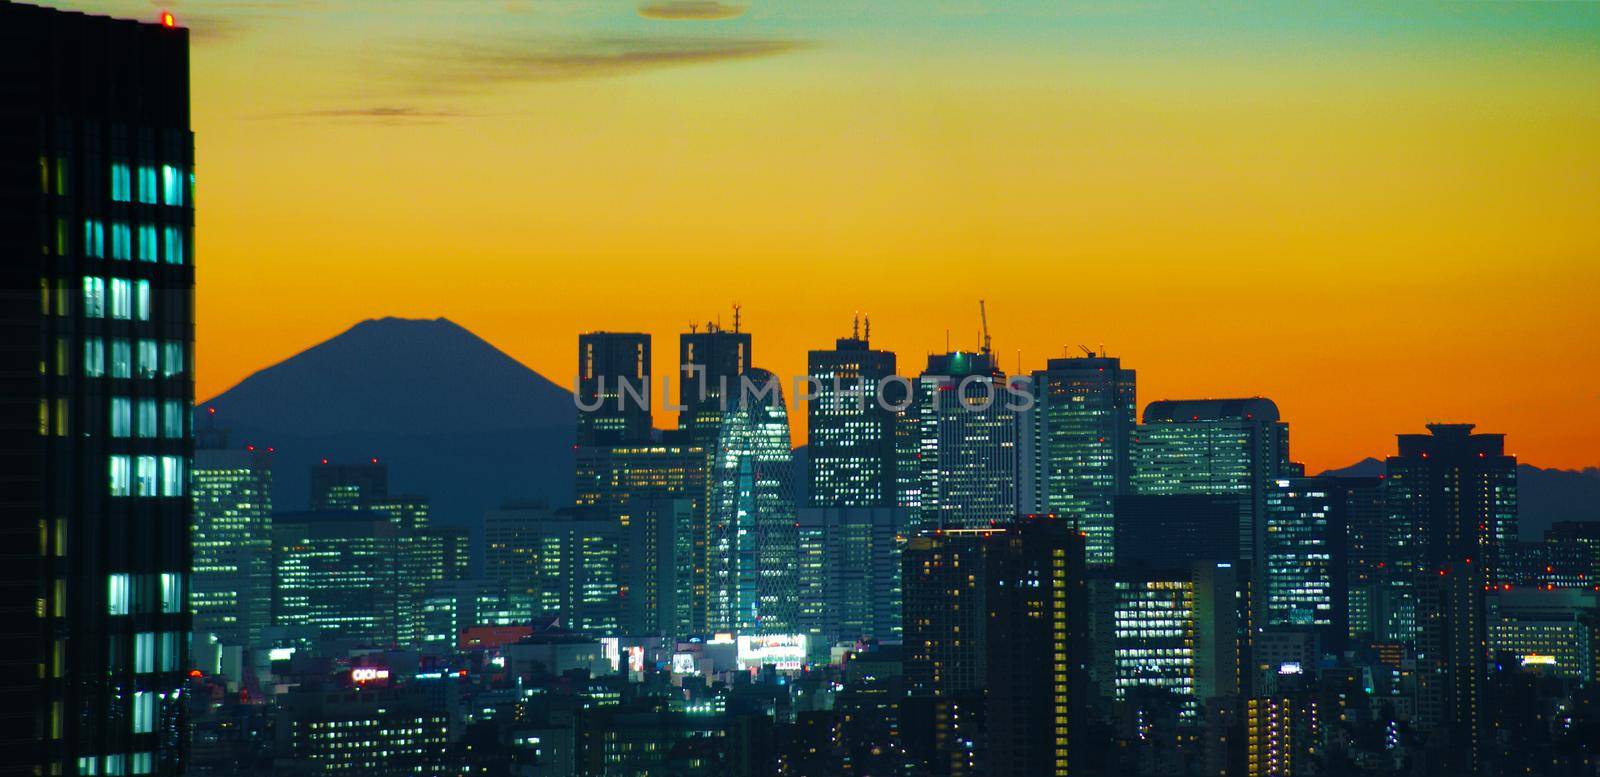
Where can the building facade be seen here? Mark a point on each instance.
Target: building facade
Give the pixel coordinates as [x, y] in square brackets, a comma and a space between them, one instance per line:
[850, 436]
[96, 269]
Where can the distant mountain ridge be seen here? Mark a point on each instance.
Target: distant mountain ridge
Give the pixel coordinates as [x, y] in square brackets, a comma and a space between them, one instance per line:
[454, 417]
[1544, 495]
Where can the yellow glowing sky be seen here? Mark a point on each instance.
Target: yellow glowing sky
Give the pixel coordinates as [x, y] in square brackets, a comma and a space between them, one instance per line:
[1378, 214]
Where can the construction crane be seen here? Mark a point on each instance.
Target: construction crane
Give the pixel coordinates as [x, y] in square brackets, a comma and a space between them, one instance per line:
[983, 318]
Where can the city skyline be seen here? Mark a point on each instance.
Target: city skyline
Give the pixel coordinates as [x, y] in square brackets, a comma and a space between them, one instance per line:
[1119, 174]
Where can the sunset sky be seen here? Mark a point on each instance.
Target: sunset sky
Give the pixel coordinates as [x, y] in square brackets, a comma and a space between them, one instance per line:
[1377, 213]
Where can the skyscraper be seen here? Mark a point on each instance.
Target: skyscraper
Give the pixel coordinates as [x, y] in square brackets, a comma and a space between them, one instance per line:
[348, 486]
[613, 388]
[567, 559]
[232, 539]
[338, 572]
[96, 163]
[1455, 493]
[1076, 442]
[640, 485]
[945, 611]
[968, 442]
[1222, 447]
[710, 365]
[851, 435]
[1037, 647]
[849, 572]
[751, 511]
[1304, 556]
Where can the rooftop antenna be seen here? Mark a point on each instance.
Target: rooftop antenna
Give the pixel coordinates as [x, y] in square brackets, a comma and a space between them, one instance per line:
[855, 326]
[983, 318]
[693, 327]
[947, 339]
[1086, 351]
[1019, 361]
[736, 308]
[868, 334]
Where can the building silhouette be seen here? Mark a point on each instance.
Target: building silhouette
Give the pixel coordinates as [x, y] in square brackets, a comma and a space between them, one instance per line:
[613, 388]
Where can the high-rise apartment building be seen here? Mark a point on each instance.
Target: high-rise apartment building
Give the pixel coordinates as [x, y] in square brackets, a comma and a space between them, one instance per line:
[1076, 442]
[1453, 495]
[96, 272]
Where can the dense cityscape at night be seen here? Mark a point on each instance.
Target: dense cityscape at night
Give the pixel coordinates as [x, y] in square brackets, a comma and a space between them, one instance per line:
[775, 545]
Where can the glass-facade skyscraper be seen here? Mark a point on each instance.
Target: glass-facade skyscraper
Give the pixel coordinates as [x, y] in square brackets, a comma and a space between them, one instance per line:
[96, 270]
[1075, 445]
[751, 512]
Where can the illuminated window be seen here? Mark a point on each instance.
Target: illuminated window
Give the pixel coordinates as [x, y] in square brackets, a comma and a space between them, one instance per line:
[144, 476]
[121, 359]
[172, 476]
[171, 592]
[172, 185]
[147, 185]
[147, 243]
[144, 713]
[94, 297]
[94, 239]
[146, 418]
[94, 357]
[174, 245]
[121, 416]
[172, 358]
[141, 300]
[117, 594]
[144, 652]
[121, 182]
[169, 651]
[121, 476]
[121, 298]
[121, 241]
[172, 419]
[143, 763]
[149, 356]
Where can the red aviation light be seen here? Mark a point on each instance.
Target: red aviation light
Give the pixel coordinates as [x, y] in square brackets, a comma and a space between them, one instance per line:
[168, 20]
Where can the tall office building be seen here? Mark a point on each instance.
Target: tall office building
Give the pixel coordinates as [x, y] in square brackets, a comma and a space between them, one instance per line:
[338, 572]
[1455, 492]
[613, 388]
[231, 594]
[566, 559]
[849, 572]
[1075, 444]
[968, 444]
[639, 486]
[850, 434]
[96, 270]
[1221, 447]
[1037, 647]
[348, 486]
[752, 549]
[1305, 558]
[710, 364]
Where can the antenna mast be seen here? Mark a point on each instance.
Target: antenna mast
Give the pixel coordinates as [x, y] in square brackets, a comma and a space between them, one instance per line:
[983, 318]
[736, 309]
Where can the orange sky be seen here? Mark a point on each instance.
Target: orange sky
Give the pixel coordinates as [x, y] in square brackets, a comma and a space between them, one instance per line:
[1377, 214]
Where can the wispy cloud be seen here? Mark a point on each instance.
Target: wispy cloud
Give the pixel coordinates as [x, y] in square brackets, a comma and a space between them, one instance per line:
[381, 114]
[690, 10]
[466, 68]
